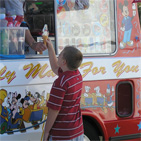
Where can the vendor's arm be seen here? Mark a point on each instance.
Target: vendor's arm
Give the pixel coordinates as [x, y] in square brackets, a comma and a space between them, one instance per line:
[52, 57]
[52, 114]
[37, 46]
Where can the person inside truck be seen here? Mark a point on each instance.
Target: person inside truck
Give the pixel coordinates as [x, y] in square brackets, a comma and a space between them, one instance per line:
[17, 5]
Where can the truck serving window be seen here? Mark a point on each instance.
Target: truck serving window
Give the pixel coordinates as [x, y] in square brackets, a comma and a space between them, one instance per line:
[89, 25]
[37, 14]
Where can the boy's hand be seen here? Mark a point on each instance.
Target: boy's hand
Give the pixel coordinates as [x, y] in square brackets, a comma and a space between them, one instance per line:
[46, 136]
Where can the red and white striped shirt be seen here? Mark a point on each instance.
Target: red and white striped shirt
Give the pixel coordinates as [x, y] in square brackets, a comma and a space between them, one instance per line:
[65, 96]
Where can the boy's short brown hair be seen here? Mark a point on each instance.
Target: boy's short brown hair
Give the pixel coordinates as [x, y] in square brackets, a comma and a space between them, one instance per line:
[73, 57]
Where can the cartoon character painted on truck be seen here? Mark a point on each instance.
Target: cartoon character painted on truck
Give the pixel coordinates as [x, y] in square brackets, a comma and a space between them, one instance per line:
[108, 34]
[126, 24]
[18, 113]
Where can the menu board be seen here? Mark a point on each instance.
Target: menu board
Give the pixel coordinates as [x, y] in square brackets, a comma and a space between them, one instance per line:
[86, 24]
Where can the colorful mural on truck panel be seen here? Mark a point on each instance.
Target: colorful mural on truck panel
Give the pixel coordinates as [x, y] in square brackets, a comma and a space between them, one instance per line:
[97, 99]
[20, 109]
[129, 32]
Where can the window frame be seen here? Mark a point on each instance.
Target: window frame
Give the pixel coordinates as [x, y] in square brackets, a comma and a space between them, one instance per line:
[35, 56]
[116, 37]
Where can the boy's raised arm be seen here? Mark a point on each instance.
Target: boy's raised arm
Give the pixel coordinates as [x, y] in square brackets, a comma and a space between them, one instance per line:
[52, 57]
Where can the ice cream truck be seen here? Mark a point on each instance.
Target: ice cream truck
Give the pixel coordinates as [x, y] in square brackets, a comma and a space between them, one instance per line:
[108, 34]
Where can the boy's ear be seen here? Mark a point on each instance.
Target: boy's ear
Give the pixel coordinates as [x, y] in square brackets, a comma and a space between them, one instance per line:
[64, 62]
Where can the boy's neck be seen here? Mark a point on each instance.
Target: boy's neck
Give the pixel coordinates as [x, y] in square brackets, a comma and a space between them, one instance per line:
[65, 69]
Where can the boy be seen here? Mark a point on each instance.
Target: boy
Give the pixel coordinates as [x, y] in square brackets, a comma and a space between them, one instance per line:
[64, 121]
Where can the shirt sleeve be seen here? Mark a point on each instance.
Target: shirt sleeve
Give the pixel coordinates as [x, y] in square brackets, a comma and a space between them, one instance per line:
[17, 5]
[57, 94]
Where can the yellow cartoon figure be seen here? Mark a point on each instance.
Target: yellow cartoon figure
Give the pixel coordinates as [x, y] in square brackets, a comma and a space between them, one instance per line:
[3, 112]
